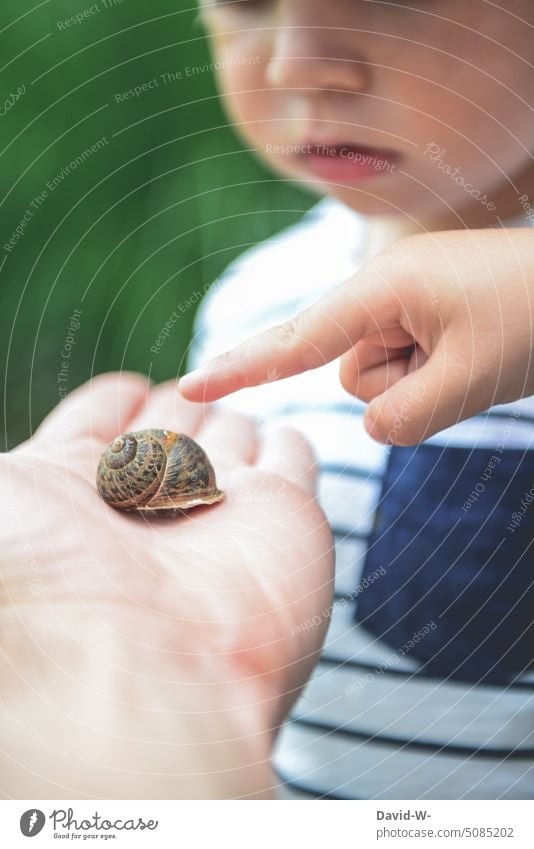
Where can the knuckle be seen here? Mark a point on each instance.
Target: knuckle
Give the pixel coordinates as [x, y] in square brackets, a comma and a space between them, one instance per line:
[285, 335]
[396, 261]
[388, 276]
[395, 424]
[289, 338]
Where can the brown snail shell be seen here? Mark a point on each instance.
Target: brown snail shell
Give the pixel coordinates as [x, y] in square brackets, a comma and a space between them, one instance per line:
[156, 472]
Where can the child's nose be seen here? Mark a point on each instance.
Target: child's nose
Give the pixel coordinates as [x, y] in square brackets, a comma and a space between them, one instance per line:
[313, 57]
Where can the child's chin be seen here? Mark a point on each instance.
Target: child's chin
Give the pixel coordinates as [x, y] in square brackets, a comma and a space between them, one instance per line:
[368, 198]
[362, 200]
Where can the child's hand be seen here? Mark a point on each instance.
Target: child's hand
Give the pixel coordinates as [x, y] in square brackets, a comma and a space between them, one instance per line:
[434, 330]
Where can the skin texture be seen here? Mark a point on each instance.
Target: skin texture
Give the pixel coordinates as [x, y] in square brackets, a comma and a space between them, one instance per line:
[154, 659]
[437, 326]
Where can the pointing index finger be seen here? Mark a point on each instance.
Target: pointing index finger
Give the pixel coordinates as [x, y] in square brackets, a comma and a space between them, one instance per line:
[315, 336]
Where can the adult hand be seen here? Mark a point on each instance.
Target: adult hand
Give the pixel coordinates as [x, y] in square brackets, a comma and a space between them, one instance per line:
[158, 655]
[434, 330]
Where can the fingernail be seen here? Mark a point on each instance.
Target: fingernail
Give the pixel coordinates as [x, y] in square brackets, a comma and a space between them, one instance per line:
[374, 431]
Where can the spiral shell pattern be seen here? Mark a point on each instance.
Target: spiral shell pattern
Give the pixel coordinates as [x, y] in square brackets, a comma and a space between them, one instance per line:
[156, 471]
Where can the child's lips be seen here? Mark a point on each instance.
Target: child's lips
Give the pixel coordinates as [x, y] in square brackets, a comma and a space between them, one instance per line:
[346, 162]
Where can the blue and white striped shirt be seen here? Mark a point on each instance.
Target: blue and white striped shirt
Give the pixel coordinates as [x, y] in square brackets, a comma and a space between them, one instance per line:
[424, 689]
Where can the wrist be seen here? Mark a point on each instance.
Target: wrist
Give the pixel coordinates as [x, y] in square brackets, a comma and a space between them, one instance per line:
[101, 714]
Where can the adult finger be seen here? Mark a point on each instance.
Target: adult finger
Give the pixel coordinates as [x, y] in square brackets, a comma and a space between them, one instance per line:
[286, 452]
[317, 335]
[167, 409]
[100, 409]
[228, 437]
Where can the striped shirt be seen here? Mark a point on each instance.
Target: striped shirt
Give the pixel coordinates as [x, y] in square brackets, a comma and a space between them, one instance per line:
[425, 687]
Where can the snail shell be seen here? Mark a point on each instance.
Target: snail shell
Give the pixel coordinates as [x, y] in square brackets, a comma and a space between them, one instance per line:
[156, 472]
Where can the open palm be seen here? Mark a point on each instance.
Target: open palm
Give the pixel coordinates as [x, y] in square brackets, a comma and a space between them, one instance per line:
[232, 583]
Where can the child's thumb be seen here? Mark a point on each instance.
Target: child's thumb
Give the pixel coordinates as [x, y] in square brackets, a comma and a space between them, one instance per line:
[421, 404]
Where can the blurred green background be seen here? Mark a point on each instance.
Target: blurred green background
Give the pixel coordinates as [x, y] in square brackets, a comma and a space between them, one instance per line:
[130, 230]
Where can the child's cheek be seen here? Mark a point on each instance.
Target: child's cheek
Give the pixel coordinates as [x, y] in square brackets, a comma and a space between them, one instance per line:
[246, 97]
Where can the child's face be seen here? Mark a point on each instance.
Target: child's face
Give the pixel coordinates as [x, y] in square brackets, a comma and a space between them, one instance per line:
[408, 99]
